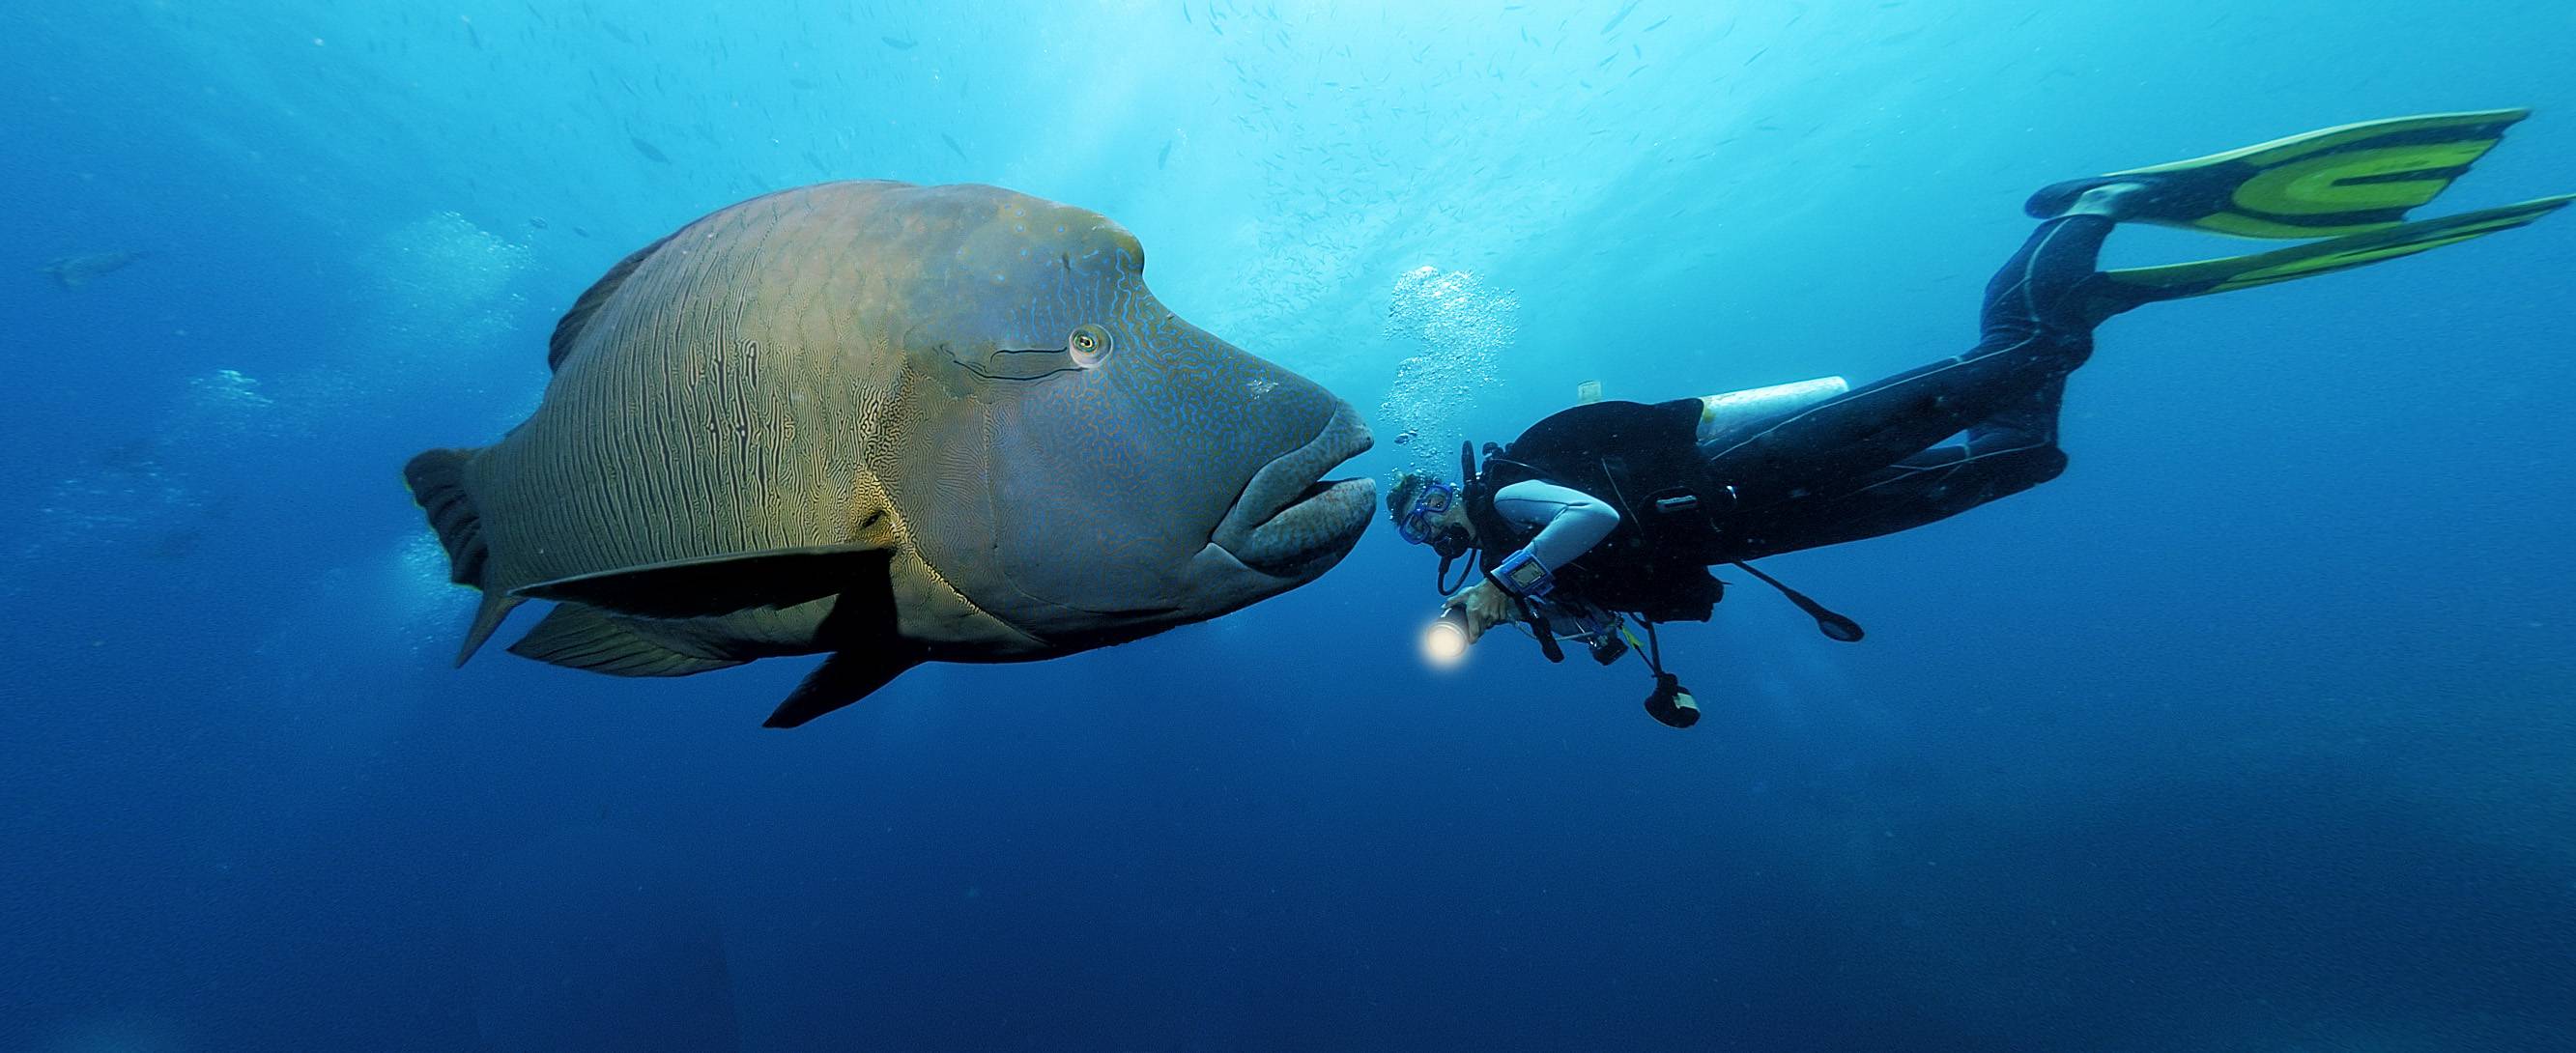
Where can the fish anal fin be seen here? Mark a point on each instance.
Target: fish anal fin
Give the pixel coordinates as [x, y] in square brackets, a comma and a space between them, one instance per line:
[713, 586]
[578, 637]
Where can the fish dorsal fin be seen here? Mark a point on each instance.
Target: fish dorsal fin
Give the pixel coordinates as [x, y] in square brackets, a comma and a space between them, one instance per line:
[568, 329]
[1587, 393]
[714, 586]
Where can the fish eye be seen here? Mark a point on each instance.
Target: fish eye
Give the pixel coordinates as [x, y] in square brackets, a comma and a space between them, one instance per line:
[1089, 345]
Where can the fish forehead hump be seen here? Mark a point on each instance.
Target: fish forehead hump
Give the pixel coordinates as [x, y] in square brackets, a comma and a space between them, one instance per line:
[914, 266]
[866, 269]
[973, 264]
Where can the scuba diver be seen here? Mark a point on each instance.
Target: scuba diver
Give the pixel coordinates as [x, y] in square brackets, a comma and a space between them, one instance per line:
[1610, 513]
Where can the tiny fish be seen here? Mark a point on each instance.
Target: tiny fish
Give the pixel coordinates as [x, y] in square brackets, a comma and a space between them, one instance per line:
[1622, 16]
[72, 272]
[650, 151]
[1165, 157]
[898, 43]
[953, 147]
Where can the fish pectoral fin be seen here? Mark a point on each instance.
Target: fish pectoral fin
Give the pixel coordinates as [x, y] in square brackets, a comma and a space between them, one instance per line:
[713, 586]
[846, 677]
[868, 651]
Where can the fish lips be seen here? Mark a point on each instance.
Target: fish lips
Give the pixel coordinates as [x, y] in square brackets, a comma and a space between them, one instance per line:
[1291, 522]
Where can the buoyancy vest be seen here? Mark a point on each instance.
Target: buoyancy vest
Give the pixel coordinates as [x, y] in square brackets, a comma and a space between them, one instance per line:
[1643, 460]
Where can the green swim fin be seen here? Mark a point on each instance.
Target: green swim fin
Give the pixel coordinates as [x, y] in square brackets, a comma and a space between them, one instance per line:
[2345, 180]
[2177, 280]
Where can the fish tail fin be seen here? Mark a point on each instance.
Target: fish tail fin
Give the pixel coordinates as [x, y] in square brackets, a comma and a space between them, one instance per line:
[437, 481]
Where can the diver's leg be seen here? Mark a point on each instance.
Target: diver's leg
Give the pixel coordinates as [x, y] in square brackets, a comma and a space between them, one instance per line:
[2038, 321]
[2000, 457]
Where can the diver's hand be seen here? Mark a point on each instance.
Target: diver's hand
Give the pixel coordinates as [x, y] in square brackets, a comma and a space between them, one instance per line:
[1487, 605]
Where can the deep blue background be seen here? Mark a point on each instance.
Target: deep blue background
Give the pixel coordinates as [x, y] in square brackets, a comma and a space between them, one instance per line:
[2252, 732]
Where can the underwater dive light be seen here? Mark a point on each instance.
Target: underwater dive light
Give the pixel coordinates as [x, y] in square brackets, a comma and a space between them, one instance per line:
[1444, 641]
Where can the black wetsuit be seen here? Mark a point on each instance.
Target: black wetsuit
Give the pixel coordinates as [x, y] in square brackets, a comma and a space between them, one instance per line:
[1867, 462]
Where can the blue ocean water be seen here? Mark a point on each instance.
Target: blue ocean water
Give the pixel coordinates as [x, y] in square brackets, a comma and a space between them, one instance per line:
[2252, 732]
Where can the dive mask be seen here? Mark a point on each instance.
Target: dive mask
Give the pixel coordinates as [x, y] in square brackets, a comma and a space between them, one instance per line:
[1421, 522]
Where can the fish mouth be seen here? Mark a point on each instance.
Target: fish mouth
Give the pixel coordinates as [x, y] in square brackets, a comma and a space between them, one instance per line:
[1290, 521]
[1318, 528]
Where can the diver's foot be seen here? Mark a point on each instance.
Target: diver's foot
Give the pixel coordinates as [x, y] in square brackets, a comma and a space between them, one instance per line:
[2113, 201]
